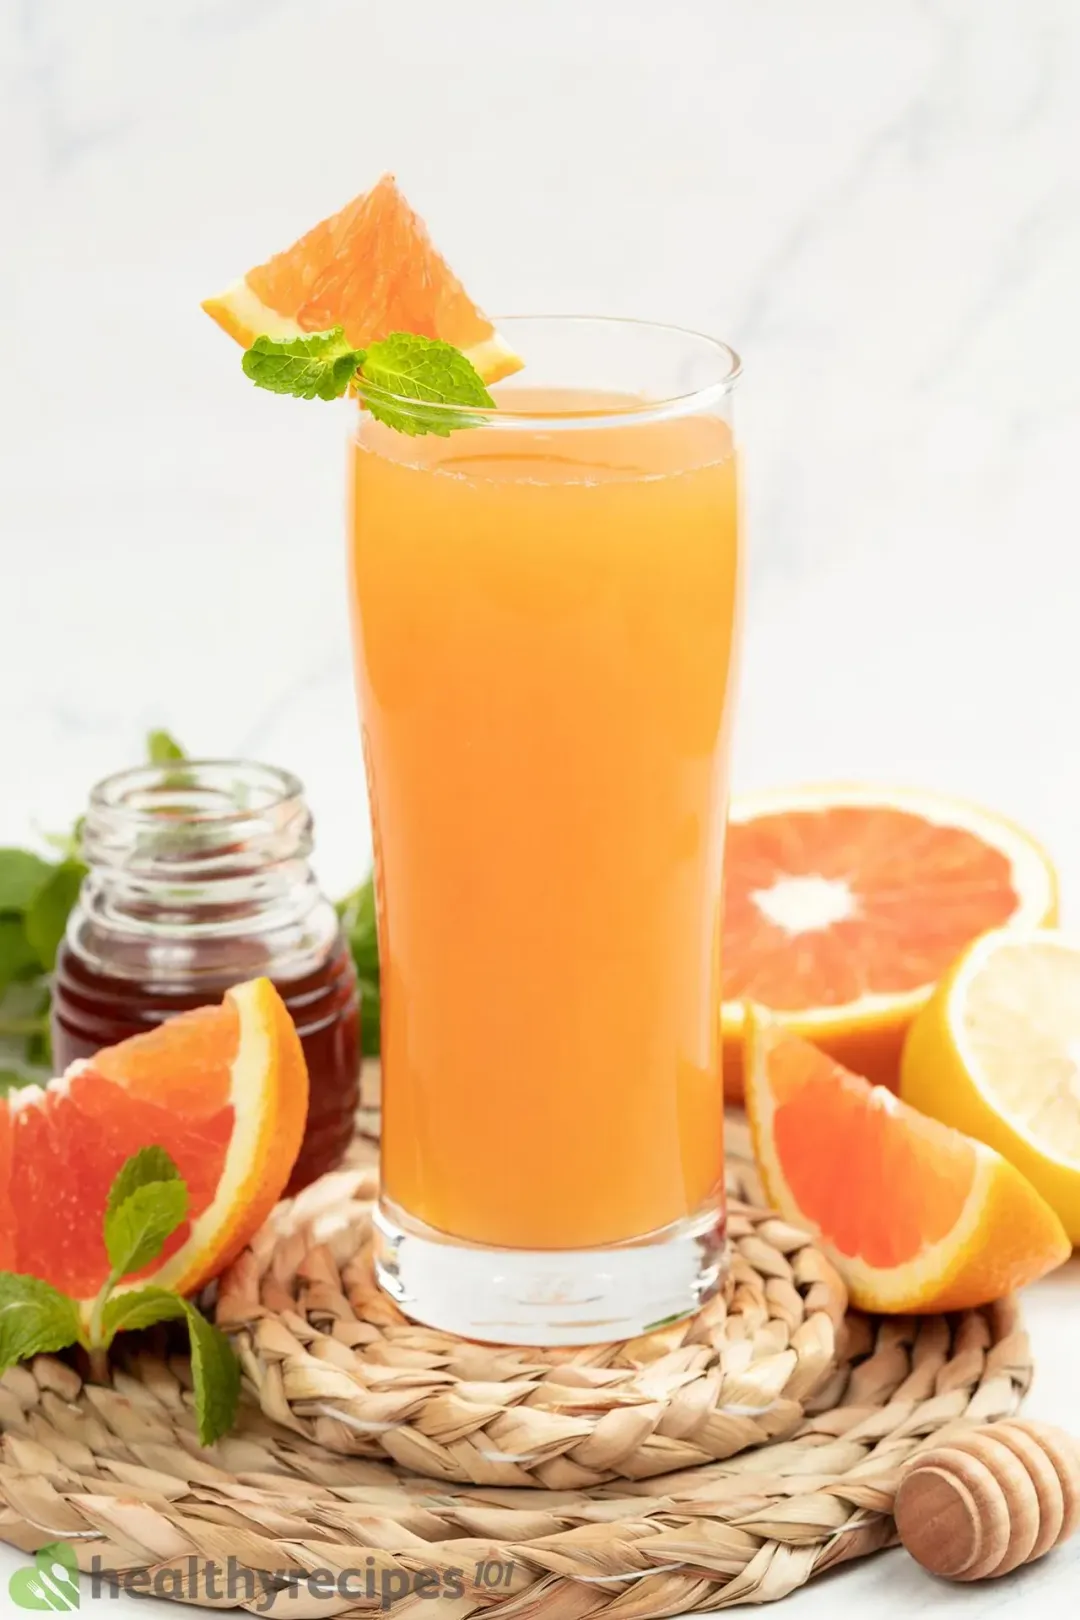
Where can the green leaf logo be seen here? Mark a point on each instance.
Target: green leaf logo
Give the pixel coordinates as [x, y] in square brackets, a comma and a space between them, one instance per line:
[52, 1583]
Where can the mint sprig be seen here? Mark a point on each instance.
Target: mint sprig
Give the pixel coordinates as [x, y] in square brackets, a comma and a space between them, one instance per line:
[424, 371]
[148, 1200]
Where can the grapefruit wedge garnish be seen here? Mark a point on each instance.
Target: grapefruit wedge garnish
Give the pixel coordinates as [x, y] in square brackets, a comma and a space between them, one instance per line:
[373, 269]
[914, 1215]
[223, 1090]
[844, 905]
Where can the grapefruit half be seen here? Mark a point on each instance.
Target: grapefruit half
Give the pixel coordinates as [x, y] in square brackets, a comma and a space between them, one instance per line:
[845, 904]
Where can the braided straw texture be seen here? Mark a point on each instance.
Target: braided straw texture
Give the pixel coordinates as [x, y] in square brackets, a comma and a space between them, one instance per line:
[118, 1472]
[330, 1357]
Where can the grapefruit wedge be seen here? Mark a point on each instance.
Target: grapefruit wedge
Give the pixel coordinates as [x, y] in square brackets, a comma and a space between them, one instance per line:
[223, 1090]
[844, 905]
[915, 1216]
[371, 268]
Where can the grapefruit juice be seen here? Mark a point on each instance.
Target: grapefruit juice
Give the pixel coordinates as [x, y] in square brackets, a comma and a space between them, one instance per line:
[546, 615]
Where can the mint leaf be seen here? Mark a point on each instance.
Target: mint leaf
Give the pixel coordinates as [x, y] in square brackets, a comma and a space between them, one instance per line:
[161, 748]
[22, 874]
[358, 920]
[150, 1164]
[370, 1017]
[17, 955]
[215, 1372]
[69, 844]
[320, 366]
[24, 1021]
[48, 912]
[357, 913]
[425, 370]
[147, 1201]
[34, 1317]
[140, 1308]
[215, 1369]
[135, 1234]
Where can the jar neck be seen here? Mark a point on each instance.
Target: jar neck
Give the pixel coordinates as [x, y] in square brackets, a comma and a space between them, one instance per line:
[200, 851]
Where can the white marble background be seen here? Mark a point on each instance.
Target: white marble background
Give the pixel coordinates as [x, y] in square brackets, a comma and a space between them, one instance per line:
[878, 203]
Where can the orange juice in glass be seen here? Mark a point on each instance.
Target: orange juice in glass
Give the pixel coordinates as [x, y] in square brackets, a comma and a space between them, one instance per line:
[546, 611]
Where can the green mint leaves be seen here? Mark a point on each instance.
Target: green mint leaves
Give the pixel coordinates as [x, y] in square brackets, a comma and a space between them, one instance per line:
[22, 875]
[358, 920]
[35, 899]
[141, 1308]
[425, 370]
[215, 1373]
[148, 1200]
[317, 367]
[404, 367]
[215, 1369]
[34, 1317]
[162, 749]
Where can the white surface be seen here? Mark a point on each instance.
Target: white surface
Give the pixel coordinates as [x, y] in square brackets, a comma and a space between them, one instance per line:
[878, 204]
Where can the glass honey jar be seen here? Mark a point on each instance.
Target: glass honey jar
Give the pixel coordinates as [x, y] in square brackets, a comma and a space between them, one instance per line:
[199, 878]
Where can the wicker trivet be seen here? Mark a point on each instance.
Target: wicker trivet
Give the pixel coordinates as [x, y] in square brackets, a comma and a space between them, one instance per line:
[118, 1472]
[331, 1357]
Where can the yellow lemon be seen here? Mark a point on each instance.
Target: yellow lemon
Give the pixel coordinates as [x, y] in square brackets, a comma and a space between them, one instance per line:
[996, 1053]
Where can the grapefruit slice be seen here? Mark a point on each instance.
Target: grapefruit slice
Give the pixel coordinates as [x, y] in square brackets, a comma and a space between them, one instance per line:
[996, 1053]
[844, 905]
[915, 1216]
[223, 1090]
[371, 268]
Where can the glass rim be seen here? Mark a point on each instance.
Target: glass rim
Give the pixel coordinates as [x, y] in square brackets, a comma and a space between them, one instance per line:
[502, 417]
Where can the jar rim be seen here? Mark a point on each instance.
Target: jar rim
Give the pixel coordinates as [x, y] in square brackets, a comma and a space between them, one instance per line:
[225, 791]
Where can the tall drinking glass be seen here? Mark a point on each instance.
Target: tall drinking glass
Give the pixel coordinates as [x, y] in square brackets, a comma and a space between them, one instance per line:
[546, 616]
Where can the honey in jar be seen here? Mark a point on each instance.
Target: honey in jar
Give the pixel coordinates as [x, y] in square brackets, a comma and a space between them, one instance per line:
[199, 878]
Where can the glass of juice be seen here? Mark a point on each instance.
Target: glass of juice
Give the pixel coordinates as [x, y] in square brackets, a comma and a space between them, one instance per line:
[546, 612]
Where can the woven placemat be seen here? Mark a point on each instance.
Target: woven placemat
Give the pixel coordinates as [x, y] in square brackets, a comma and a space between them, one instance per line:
[118, 1473]
[274, 1521]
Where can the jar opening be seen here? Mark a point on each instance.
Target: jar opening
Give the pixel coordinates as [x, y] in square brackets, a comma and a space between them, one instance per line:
[195, 819]
[207, 790]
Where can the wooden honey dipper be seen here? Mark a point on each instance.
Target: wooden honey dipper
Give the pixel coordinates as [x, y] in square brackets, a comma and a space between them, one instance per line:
[990, 1500]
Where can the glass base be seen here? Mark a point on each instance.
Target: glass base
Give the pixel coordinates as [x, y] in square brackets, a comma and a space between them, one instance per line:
[550, 1296]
